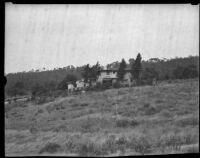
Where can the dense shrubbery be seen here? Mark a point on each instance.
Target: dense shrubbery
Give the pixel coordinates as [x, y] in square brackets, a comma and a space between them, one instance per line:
[190, 71]
[68, 79]
[51, 148]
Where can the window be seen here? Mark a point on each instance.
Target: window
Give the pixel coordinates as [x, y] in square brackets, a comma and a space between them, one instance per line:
[107, 72]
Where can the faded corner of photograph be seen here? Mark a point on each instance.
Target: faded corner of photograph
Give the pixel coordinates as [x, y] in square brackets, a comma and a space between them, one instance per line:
[101, 80]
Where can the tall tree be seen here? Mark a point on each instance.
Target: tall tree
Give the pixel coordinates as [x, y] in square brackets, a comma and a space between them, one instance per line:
[136, 67]
[86, 72]
[121, 70]
[95, 70]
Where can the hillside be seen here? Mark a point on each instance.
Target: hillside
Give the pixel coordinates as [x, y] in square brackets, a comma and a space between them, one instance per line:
[164, 68]
[149, 120]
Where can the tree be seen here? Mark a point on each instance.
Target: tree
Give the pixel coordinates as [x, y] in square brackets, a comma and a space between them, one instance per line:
[70, 78]
[50, 85]
[86, 72]
[190, 72]
[178, 71]
[113, 65]
[121, 70]
[149, 73]
[94, 71]
[37, 90]
[17, 89]
[136, 67]
[131, 61]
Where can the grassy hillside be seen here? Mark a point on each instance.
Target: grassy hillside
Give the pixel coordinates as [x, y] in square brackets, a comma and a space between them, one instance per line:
[126, 121]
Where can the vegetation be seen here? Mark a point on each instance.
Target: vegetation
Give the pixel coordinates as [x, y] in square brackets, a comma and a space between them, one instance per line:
[91, 72]
[136, 67]
[149, 120]
[70, 78]
[121, 70]
[25, 83]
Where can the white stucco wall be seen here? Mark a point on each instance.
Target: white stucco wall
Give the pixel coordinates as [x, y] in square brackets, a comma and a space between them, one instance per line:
[103, 75]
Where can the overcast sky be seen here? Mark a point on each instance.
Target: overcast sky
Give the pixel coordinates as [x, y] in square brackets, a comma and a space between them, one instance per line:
[52, 36]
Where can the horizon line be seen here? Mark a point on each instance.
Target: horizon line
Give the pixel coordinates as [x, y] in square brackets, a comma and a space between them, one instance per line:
[46, 69]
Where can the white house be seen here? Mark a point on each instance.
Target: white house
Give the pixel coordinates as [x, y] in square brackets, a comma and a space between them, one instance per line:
[111, 76]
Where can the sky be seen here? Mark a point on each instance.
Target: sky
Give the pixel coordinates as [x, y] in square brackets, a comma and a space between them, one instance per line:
[53, 36]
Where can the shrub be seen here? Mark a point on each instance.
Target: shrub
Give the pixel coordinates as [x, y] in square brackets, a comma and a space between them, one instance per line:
[71, 146]
[40, 111]
[193, 121]
[109, 144]
[89, 148]
[150, 110]
[33, 130]
[51, 148]
[41, 100]
[116, 85]
[50, 108]
[122, 143]
[159, 101]
[173, 142]
[141, 144]
[60, 128]
[191, 149]
[71, 78]
[86, 127]
[126, 122]
[84, 104]
[98, 86]
[146, 105]
[166, 113]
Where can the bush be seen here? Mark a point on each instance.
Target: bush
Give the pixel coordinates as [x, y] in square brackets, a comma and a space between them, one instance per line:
[89, 148]
[33, 130]
[60, 128]
[166, 113]
[141, 144]
[150, 110]
[122, 123]
[51, 148]
[175, 141]
[189, 71]
[122, 144]
[98, 86]
[41, 100]
[84, 104]
[146, 105]
[191, 149]
[193, 121]
[40, 111]
[71, 146]
[110, 145]
[116, 85]
[149, 73]
[69, 78]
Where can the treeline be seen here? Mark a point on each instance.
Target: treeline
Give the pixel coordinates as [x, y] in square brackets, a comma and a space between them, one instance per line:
[23, 83]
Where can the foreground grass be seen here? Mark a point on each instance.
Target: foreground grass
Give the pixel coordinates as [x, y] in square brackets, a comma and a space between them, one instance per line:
[148, 120]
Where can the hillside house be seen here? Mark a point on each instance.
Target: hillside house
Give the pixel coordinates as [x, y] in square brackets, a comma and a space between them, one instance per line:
[111, 76]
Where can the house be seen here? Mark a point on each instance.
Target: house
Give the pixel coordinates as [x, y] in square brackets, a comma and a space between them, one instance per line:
[110, 76]
[80, 84]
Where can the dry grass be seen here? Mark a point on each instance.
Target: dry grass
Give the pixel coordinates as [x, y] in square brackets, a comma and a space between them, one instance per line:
[161, 119]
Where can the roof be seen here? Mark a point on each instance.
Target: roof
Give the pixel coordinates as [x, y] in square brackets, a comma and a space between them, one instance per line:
[114, 70]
